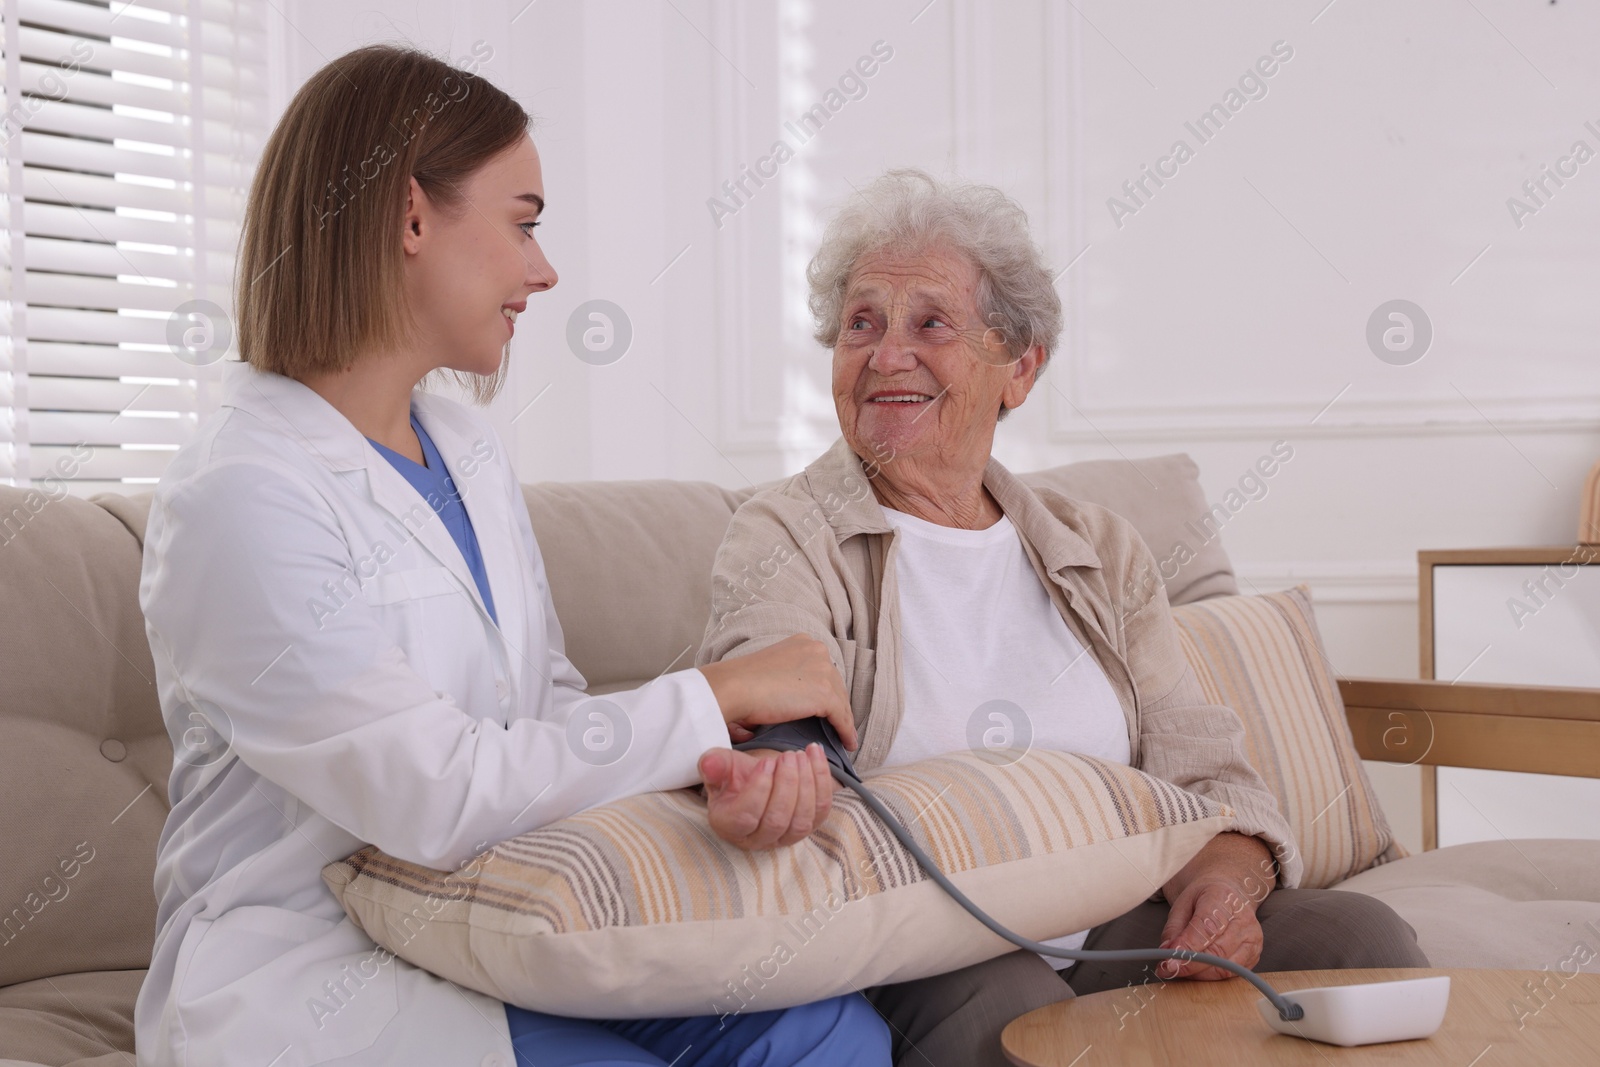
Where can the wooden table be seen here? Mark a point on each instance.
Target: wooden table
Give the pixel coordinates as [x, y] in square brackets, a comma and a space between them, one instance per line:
[1195, 1024]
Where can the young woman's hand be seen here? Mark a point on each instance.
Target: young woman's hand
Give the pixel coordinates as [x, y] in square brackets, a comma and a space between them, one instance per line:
[793, 679]
[760, 799]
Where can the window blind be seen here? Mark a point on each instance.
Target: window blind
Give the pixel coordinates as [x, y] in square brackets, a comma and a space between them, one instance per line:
[130, 133]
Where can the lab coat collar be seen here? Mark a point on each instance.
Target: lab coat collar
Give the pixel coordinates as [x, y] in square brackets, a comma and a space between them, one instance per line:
[301, 414]
[299, 410]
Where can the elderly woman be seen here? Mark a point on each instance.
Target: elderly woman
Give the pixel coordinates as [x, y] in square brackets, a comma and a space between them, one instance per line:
[940, 583]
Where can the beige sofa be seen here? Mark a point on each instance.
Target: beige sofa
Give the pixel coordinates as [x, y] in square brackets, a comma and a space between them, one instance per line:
[84, 756]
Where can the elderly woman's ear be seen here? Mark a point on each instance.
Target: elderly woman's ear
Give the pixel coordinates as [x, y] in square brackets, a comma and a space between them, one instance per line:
[1024, 373]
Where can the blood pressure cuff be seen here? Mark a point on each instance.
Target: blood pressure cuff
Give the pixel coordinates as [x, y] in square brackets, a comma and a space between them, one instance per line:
[636, 909]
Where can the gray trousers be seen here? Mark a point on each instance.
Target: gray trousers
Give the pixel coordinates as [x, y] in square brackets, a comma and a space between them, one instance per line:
[955, 1019]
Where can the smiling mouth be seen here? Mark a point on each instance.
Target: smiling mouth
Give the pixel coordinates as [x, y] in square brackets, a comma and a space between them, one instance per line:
[901, 398]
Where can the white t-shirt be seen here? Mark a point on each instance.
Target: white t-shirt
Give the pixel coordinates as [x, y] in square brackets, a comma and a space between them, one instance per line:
[987, 661]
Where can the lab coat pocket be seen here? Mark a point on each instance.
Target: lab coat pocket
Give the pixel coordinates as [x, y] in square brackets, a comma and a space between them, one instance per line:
[419, 608]
[415, 583]
[278, 977]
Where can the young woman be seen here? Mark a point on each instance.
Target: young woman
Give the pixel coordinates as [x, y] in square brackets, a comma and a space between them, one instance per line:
[353, 632]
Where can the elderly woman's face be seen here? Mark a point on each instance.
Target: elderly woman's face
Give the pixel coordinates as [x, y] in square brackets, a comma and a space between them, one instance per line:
[915, 369]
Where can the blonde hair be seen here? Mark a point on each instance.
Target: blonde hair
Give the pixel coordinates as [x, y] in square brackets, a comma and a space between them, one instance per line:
[319, 272]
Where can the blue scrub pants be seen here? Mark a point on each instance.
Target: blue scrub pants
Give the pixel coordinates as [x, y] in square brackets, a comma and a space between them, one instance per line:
[842, 1032]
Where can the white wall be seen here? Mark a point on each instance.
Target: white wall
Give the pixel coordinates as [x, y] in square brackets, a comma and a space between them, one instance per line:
[1227, 312]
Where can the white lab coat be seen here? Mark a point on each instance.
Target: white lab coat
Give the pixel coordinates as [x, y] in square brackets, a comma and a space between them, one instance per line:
[331, 679]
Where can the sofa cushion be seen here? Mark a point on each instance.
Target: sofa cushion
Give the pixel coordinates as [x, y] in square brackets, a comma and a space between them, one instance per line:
[635, 909]
[1531, 904]
[629, 565]
[630, 562]
[1161, 496]
[1263, 657]
[81, 1020]
[84, 756]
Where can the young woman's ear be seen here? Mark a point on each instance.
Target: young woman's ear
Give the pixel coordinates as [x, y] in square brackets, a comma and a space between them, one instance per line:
[411, 232]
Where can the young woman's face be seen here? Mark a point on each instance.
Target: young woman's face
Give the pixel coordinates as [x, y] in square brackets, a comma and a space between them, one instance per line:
[469, 270]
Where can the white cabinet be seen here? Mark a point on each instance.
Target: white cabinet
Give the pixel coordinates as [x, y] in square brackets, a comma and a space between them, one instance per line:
[1513, 616]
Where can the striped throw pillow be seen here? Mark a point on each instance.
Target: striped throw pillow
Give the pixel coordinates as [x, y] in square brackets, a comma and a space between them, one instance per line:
[1262, 656]
[635, 909]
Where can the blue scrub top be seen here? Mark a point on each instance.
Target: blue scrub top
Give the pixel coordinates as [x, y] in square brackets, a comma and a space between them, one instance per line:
[434, 483]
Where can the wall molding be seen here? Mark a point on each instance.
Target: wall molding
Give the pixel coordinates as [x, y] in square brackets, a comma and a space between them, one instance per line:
[754, 419]
[1345, 418]
[1334, 581]
[971, 83]
[1066, 223]
[1071, 420]
[742, 425]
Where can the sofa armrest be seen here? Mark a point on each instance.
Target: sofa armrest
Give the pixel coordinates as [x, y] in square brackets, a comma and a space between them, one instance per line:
[1543, 729]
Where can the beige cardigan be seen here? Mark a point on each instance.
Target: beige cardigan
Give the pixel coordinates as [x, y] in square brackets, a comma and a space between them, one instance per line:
[815, 555]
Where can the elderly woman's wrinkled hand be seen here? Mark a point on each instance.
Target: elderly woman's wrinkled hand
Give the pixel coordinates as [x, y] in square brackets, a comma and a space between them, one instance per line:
[1213, 917]
[1214, 900]
[760, 799]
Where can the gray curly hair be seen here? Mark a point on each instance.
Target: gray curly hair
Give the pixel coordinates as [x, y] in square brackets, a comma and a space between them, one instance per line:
[909, 210]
